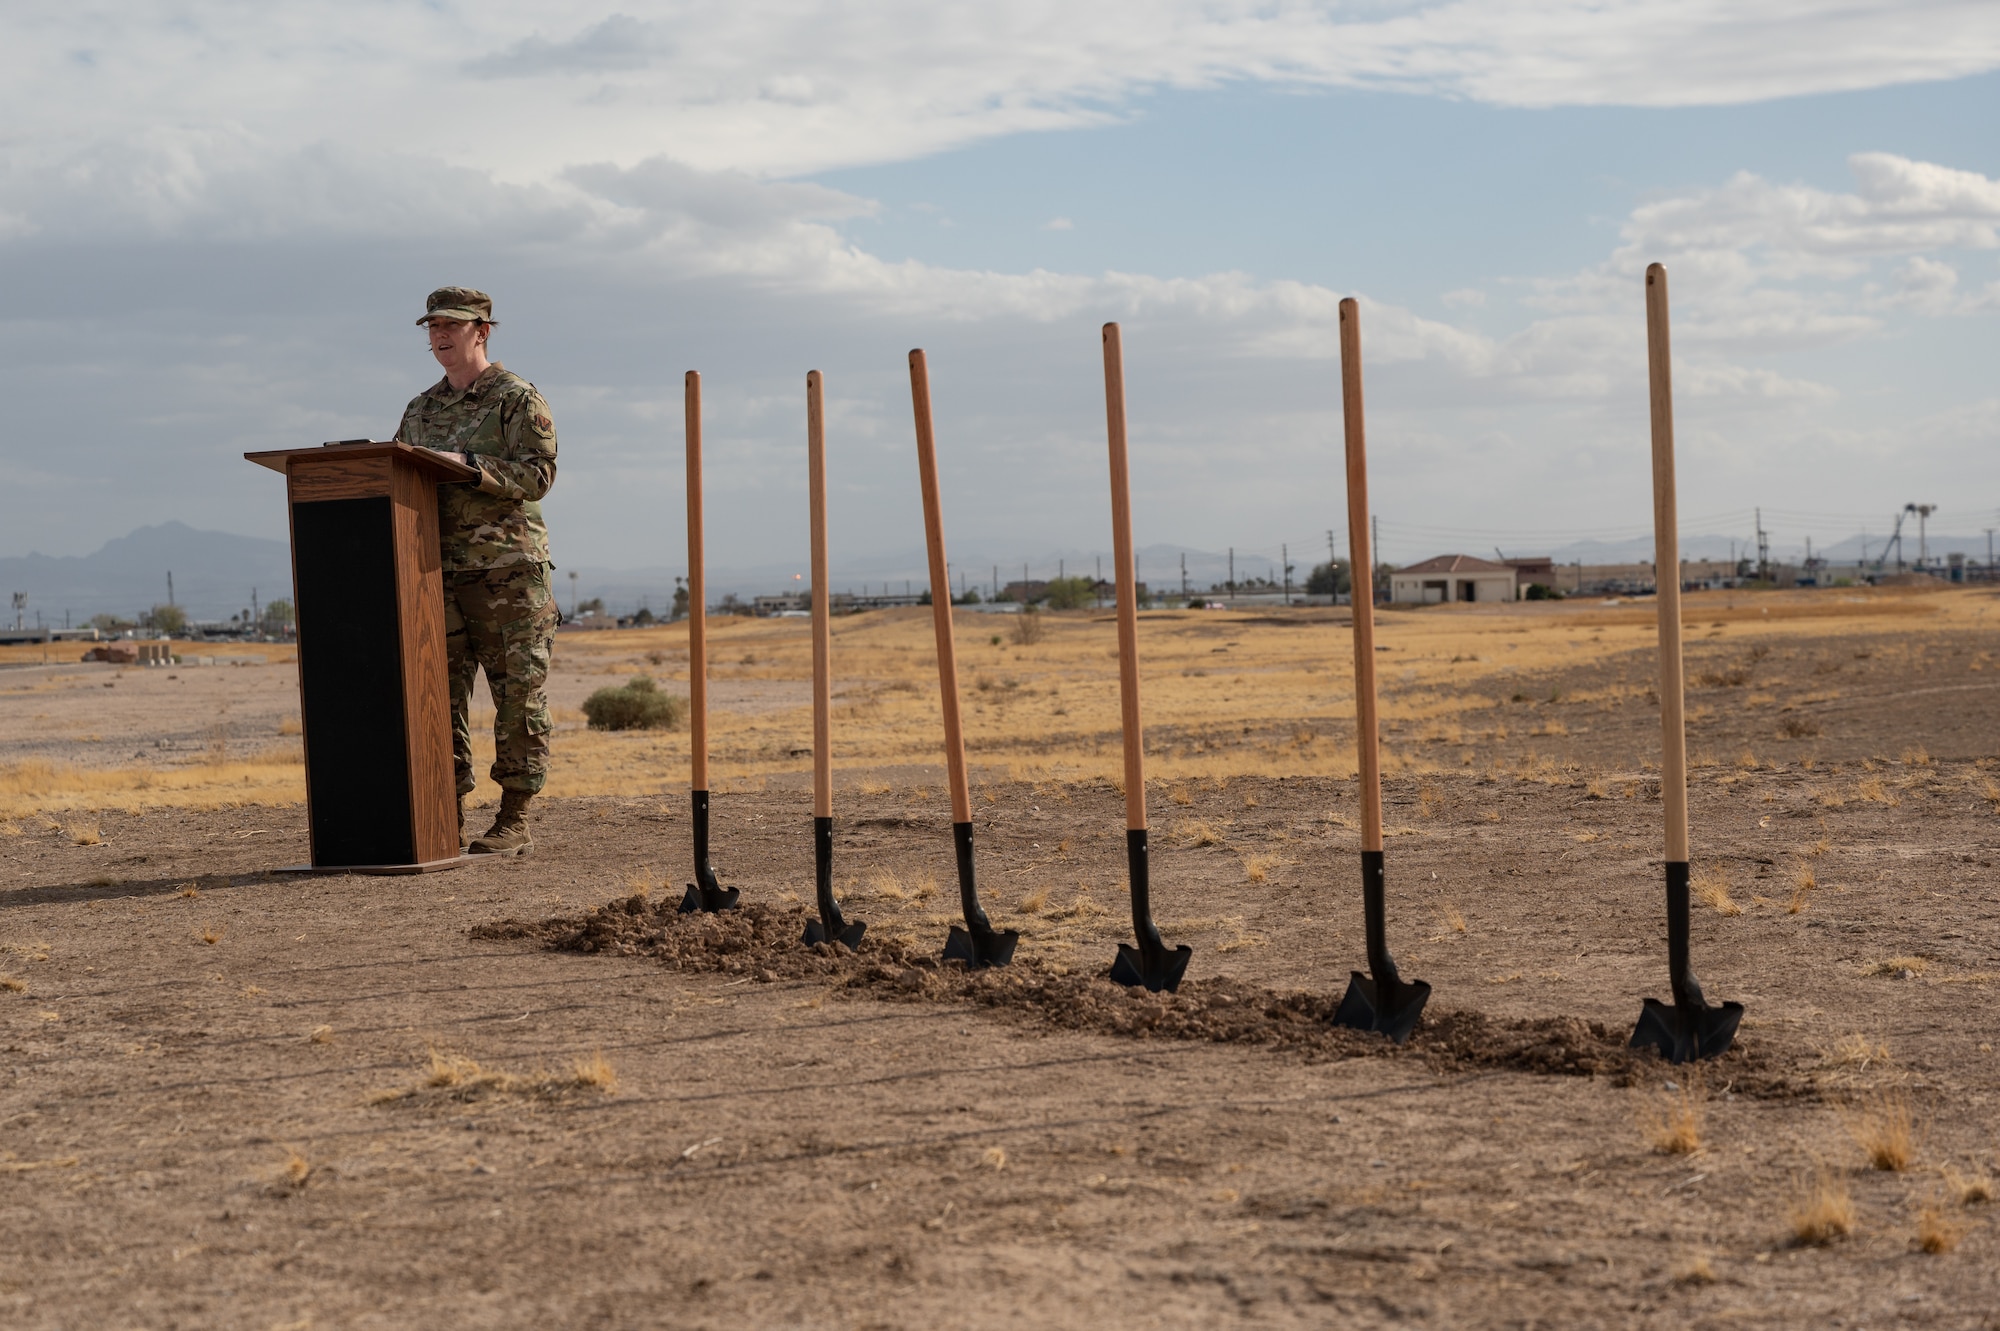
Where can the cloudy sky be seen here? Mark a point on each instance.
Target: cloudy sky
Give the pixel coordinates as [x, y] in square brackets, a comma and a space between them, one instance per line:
[218, 220]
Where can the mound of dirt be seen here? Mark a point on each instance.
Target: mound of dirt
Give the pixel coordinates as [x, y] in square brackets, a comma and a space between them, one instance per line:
[765, 943]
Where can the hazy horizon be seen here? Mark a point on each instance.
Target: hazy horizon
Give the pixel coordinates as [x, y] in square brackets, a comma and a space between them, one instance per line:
[217, 226]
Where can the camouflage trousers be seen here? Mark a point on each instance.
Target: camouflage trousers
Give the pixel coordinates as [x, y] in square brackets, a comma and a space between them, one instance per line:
[501, 620]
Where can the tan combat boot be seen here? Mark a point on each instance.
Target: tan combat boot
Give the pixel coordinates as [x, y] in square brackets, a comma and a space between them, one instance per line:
[509, 833]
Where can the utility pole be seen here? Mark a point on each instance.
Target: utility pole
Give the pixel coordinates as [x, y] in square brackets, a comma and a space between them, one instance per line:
[1285, 562]
[1097, 588]
[1989, 555]
[1763, 549]
[1374, 553]
[996, 582]
[1184, 573]
[170, 586]
[1232, 574]
[20, 604]
[572, 591]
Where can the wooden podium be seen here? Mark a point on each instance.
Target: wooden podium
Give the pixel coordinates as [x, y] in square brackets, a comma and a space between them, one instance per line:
[368, 591]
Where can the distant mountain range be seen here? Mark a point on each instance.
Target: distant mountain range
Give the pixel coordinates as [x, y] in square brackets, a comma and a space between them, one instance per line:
[215, 574]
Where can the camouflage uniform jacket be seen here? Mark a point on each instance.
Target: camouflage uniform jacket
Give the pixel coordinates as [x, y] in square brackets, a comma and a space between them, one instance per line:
[502, 422]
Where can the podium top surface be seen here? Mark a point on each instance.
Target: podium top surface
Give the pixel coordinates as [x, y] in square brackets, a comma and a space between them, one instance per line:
[428, 459]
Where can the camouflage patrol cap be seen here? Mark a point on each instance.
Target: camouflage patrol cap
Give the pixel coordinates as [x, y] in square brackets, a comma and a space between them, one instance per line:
[460, 305]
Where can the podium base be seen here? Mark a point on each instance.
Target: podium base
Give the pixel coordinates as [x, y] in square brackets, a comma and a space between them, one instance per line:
[429, 866]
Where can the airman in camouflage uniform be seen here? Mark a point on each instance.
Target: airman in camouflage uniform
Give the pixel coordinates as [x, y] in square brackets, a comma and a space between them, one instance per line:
[499, 612]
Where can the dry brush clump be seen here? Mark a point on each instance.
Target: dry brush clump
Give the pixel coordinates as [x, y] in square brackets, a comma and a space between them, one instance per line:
[457, 1078]
[1822, 1211]
[1883, 1125]
[1938, 1230]
[1674, 1128]
[1967, 1189]
[1711, 886]
[1803, 883]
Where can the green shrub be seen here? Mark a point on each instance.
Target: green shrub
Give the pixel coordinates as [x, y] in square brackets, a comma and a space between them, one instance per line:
[636, 706]
[1070, 593]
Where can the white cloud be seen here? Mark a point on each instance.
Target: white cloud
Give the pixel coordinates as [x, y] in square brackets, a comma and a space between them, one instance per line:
[256, 192]
[523, 90]
[1058, 224]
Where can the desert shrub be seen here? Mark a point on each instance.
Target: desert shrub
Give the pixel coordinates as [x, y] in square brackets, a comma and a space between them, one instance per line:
[1028, 627]
[1541, 591]
[638, 705]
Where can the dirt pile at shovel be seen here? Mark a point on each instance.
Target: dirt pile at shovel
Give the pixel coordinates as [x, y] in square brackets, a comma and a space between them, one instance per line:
[763, 942]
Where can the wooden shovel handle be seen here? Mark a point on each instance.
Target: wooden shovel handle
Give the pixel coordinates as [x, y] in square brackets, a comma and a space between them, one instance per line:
[1128, 590]
[697, 594]
[1367, 738]
[954, 736]
[1667, 569]
[821, 622]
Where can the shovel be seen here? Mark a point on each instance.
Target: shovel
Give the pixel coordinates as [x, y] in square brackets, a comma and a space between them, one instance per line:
[978, 943]
[1690, 1027]
[705, 893]
[1382, 1000]
[1151, 963]
[831, 926]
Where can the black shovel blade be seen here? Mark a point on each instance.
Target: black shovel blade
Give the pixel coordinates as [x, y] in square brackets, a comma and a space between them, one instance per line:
[851, 935]
[1393, 1013]
[1683, 1034]
[708, 899]
[1162, 970]
[988, 947]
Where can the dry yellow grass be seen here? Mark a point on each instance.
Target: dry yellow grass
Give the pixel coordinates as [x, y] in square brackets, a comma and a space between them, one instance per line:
[84, 832]
[1051, 712]
[1674, 1128]
[1901, 968]
[1858, 1051]
[1822, 1212]
[1803, 883]
[1193, 832]
[212, 934]
[1938, 1231]
[1452, 918]
[1258, 867]
[1695, 1271]
[596, 1071]
[1873, 791]
[320, 1035]
[458, 1077]
[1711, 887]
[1967, 1189]
[1882, 1125]
[295, 1172]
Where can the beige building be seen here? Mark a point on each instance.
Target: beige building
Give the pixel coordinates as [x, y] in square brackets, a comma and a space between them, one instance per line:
[1454, 578]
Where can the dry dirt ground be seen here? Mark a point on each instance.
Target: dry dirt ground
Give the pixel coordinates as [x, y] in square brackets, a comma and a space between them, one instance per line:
[525, 1093]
